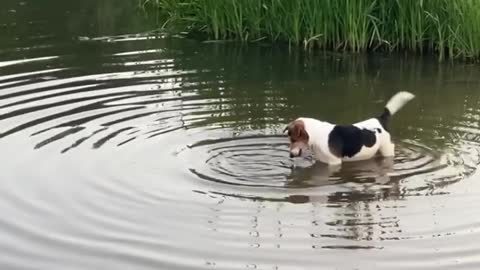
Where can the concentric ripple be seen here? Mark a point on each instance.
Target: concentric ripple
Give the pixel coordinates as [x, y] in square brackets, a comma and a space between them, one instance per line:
[262, 161]
[248, 161]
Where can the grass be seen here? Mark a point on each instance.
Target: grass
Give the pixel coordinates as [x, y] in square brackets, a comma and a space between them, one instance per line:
[447, 28]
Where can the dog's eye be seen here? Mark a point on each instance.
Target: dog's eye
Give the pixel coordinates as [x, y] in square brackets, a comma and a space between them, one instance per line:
[289, 133]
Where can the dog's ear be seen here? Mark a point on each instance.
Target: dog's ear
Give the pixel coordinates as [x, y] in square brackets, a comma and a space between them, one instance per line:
[297, 131]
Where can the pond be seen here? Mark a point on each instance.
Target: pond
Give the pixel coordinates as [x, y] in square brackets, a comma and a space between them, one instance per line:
[122, 150]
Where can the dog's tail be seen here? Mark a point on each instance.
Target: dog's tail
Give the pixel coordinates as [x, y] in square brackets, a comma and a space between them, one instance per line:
[394, 105]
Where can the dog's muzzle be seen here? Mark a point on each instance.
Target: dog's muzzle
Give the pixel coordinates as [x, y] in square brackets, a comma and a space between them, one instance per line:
[295, 153]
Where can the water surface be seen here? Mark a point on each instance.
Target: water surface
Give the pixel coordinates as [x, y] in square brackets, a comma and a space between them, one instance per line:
[122, 150]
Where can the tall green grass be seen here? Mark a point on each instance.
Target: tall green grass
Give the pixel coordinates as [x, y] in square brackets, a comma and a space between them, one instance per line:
[448, 28]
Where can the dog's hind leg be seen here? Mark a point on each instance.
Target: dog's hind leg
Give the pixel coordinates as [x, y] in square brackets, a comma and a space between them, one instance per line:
[387, 147]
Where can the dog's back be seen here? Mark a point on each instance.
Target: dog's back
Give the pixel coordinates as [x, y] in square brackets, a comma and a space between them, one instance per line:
[363, 140]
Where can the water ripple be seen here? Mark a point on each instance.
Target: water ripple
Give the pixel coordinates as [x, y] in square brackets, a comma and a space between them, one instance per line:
[154, 156]
[262, 161]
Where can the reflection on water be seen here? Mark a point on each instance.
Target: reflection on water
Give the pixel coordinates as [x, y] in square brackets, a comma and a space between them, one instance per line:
[123, 150]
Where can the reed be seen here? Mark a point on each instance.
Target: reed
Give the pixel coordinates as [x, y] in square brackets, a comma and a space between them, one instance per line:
[448, 28]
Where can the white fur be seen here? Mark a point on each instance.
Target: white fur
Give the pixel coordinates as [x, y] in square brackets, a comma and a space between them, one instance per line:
[398, 101]
[319, 131]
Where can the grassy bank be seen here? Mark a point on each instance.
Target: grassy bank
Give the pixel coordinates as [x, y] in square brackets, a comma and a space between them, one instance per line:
[448, 28]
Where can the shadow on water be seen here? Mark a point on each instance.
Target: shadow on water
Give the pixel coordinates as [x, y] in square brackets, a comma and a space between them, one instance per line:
[124, 150]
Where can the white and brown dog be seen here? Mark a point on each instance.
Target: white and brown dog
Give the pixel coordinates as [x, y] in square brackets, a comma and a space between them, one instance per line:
[333, 144]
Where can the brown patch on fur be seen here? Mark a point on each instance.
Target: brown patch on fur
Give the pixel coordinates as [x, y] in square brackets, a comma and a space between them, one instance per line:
[298, 135]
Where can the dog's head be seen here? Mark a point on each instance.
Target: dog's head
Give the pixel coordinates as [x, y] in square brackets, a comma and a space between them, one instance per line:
[298, 137]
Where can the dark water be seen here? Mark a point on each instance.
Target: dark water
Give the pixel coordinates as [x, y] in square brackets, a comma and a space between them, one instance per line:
[125, 151]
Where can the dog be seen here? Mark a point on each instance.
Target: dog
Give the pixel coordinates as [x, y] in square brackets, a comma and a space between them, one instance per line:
[332, 144]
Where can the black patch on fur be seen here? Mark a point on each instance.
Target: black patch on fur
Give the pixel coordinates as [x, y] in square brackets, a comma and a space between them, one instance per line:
[348, 140]
[384, 119]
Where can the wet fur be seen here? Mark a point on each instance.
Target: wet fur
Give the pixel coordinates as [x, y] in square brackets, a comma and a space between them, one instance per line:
[333, 144]
[347, 141]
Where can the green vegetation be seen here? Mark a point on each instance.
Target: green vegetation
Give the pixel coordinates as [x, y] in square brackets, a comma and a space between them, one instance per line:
[448, 28]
